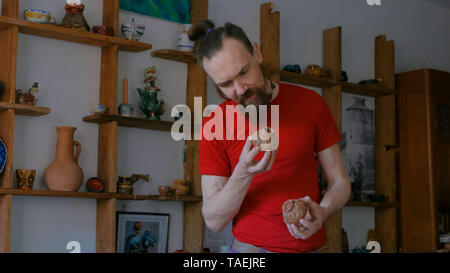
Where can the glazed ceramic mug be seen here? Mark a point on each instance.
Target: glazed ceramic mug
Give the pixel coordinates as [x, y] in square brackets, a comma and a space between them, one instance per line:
[25, 178]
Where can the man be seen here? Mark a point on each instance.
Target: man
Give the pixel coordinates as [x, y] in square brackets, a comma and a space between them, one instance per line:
[244, 185]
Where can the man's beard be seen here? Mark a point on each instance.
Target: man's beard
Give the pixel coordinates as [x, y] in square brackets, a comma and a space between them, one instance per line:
[262, 97]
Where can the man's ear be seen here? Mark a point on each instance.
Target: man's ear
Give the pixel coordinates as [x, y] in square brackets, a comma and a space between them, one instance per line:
[257, 53]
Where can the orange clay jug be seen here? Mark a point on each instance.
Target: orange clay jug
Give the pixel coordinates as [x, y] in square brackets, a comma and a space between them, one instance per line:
[64, 174]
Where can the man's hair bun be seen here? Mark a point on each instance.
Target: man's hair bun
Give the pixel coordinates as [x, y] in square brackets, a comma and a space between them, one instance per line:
[199, 29]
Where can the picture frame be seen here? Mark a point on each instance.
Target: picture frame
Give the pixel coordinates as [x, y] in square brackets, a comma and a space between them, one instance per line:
[139, 232]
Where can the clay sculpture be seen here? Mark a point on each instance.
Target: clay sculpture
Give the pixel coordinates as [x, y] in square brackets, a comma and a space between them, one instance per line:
[294, 210]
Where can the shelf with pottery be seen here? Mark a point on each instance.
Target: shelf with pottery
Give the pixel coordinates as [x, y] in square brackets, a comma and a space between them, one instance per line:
[66, 34]
[373, 90]
[133, 122]
[99, 195]
[25, 110]
[175, 55]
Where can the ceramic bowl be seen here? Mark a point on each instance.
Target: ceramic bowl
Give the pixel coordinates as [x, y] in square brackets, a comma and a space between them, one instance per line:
[37, 16]
[3, 155]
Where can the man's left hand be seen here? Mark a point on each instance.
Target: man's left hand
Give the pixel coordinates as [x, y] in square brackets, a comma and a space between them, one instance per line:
[313, 221]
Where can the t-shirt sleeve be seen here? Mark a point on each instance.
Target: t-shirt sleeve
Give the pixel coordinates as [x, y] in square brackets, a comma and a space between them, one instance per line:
[213, 158]
[327, 132]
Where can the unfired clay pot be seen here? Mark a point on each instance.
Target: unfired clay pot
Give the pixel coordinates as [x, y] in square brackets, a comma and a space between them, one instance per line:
[64, 174]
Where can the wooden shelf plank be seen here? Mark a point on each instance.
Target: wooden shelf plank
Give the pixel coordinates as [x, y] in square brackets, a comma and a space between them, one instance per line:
[372, 204]
[133, 122]
[100, 195]
[366, 90]
[175, 55]
[122, 196]
[184, 198]
[306, 79]
[26, 110]
[70, 35]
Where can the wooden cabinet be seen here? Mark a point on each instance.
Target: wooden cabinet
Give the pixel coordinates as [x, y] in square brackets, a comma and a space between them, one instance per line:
[424, 134]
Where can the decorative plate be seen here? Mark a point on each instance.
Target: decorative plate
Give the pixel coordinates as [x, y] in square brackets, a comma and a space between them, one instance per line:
[2, 155]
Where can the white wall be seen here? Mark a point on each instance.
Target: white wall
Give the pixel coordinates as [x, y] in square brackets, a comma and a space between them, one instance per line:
[419, 29]
[68, 76]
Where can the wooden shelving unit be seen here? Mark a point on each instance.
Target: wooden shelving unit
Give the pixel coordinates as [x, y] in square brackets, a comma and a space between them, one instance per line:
[133, 122]
[25, 110]
[100, 195]
[10, 26]
[175, 55]
[305, 79]
[60, 33]
[385, 111]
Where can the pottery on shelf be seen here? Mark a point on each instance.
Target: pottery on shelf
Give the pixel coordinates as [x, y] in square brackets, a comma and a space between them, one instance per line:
[103, 30]
[293, 68]
[37, 16]
[64, 174]
[95, 184]
[125, 183]
[181, 186]
[74, 18]
[132, 31]
[25, 178]
[184, 43]
[28, 97]
[149, 103]
[165, 190]
[3, 155]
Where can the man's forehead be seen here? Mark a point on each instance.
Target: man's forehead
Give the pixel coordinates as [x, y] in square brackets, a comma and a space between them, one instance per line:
[227, 62]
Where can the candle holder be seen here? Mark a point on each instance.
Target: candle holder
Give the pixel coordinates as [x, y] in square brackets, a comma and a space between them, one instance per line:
[74, 18]
[125, 109]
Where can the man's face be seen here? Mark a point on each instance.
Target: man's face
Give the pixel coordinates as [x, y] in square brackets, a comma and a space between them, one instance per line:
[236, 72]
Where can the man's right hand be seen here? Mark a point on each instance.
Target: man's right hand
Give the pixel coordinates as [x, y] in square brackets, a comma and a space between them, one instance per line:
[247, 164]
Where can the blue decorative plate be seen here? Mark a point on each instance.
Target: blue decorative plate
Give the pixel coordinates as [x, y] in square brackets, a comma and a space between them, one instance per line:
[2, 155]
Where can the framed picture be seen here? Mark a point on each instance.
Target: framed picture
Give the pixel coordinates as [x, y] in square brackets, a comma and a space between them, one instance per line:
[142, 232]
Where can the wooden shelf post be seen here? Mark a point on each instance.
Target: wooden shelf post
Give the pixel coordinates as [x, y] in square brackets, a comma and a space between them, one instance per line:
[385, 135]
[196, 87]
[107, 137]
[8, 55]
[333, 97]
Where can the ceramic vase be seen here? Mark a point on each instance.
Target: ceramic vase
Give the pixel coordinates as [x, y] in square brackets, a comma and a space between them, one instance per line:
[184, 43]
[25, 178]
[64, 174]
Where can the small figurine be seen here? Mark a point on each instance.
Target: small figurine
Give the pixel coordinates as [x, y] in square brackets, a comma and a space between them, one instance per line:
[28, 98]
[149, 103]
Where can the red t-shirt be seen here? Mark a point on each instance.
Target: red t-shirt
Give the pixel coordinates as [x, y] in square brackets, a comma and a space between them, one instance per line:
[306, 127]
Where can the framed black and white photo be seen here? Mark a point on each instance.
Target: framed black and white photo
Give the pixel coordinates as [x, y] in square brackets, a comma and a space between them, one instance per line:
[358, 144]
[142, 232]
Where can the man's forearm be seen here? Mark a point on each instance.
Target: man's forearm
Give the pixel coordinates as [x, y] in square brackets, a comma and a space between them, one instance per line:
[220, 208]
[336, 196]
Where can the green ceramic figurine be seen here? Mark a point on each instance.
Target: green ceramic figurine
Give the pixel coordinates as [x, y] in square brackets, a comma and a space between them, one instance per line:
[149, 103]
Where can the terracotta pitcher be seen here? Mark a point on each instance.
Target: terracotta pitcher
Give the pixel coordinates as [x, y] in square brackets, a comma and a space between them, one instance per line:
[64, 174]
